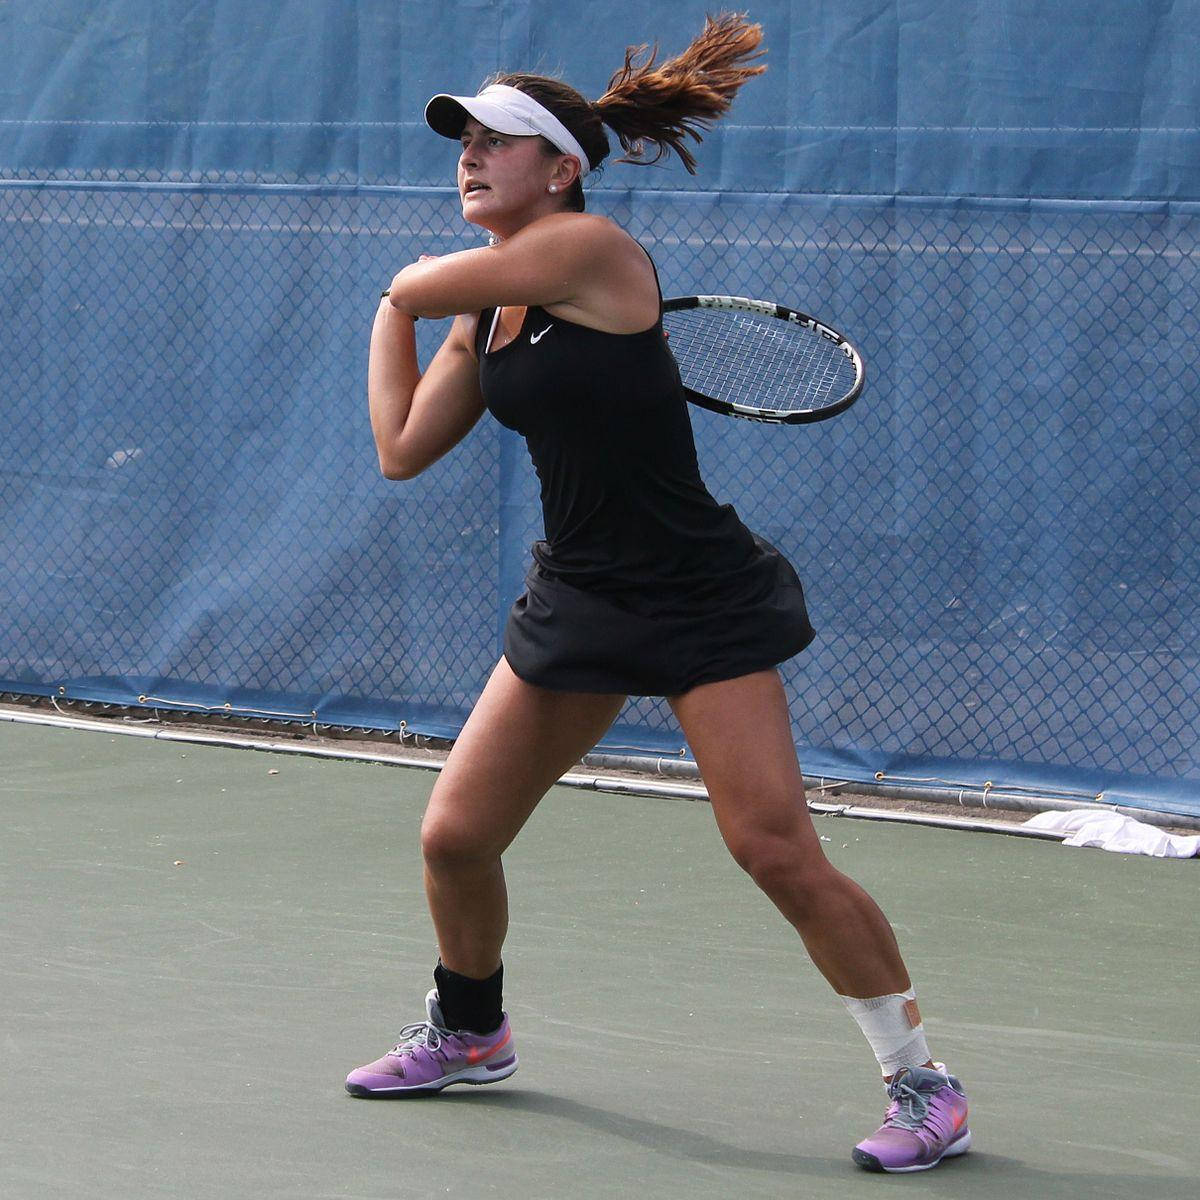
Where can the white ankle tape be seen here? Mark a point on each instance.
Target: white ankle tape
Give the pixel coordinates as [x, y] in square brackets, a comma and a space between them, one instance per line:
[892, 1024]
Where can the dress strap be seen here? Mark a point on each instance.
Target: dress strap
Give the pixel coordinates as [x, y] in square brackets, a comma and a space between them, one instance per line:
[657, 283]
[487, 345]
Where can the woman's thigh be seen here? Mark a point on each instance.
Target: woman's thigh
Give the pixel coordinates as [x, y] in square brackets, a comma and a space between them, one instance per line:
[518, 740]
[741, 735]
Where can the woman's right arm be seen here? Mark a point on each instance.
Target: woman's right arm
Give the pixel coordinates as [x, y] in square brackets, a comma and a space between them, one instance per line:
[415, 417]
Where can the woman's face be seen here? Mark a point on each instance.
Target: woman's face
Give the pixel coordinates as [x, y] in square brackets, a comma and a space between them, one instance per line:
[503, 179]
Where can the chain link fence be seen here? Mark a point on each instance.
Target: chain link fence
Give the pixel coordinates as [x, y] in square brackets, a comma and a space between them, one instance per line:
[1000, 542]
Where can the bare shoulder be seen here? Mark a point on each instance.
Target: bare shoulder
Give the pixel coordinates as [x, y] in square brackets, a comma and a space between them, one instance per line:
[590, 235]
[615, 287]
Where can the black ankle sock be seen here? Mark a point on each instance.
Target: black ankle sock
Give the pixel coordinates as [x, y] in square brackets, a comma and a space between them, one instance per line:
[469, 1004]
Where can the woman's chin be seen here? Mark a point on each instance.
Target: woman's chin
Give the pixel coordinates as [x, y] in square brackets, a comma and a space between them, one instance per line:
[474, 212]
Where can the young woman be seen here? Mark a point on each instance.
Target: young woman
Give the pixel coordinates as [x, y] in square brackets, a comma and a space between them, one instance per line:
[643, 585]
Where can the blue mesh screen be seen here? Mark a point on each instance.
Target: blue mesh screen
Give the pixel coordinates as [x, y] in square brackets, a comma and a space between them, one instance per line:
[200, 203]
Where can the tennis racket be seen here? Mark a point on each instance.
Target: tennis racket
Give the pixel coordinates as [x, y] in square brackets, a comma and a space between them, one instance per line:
[761, 361]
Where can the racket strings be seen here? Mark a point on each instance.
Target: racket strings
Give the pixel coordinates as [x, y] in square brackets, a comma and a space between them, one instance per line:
[759, 361]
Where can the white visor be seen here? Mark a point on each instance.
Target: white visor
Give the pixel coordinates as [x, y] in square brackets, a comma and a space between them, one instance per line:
[506, 110]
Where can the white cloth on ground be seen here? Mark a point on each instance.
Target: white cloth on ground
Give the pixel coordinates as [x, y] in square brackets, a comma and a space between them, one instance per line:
[1115, 831]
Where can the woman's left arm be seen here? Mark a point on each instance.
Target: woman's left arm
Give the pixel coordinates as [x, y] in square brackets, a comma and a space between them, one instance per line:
[582, 264]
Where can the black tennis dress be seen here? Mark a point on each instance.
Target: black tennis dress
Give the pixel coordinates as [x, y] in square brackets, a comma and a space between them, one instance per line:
[644, 584]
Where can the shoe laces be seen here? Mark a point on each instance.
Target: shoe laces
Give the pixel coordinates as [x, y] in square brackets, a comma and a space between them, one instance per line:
[420, 1035]
[911, 1106]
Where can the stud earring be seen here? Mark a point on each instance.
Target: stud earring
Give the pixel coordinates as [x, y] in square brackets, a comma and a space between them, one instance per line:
[552, 188]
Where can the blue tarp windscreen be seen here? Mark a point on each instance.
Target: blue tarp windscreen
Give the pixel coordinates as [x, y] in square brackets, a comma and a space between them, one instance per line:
[1000, 201]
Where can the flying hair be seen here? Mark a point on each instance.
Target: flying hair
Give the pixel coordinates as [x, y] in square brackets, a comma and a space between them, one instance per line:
[654, 107]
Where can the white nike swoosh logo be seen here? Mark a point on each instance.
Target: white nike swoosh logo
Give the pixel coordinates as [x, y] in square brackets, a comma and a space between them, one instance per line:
[534, 338]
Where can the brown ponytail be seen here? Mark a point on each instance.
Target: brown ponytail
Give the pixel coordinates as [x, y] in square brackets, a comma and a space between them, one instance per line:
[655, 105]
[661, 105]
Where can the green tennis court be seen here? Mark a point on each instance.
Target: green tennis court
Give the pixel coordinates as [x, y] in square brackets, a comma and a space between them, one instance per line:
[199, 943]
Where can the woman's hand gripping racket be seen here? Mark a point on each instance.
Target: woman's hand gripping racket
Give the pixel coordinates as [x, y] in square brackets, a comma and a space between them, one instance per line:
[761, 361]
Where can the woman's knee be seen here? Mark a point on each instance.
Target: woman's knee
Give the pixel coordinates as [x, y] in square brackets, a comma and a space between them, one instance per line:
[781, 864]
[448, 841]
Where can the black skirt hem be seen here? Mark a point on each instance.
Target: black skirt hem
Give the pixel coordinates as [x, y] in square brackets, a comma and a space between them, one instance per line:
[566, 639]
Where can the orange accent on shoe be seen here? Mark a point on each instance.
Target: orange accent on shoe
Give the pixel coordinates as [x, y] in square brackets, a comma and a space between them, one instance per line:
[476, 1054]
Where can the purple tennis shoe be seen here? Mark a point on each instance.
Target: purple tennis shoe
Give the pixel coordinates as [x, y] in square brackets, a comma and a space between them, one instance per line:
[430, 1057]
[925, 1122]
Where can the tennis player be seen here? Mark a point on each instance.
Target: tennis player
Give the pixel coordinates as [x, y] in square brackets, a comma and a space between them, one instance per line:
[643, 585]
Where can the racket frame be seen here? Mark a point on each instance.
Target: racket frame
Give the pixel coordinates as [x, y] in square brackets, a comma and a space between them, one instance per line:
[768, 308]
